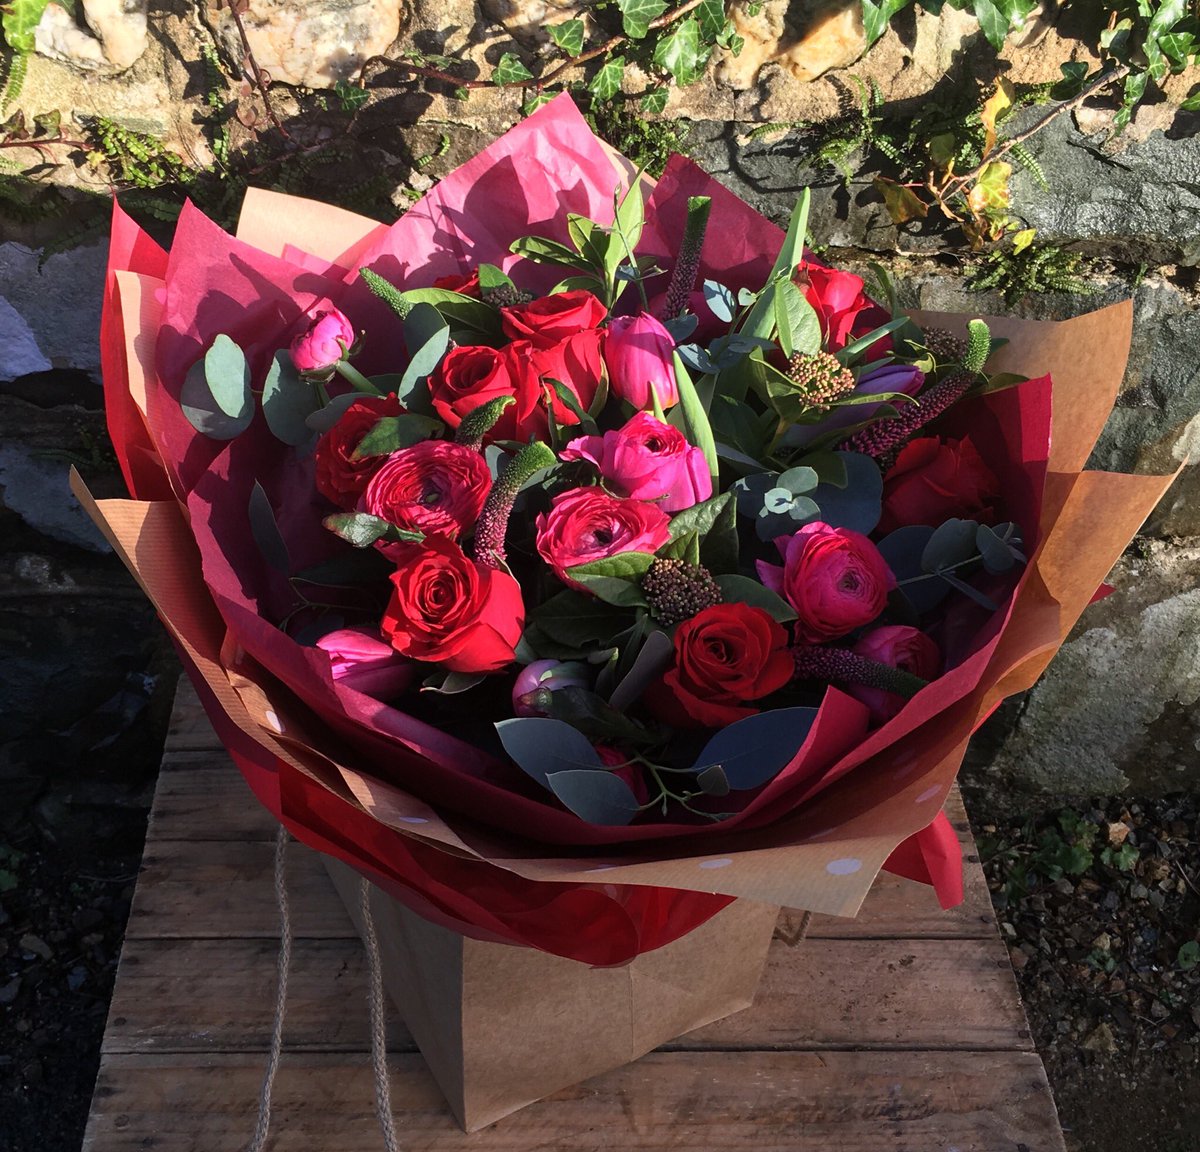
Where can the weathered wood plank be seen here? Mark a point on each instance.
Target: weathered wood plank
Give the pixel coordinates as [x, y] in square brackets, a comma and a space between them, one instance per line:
[218, 995]
[200, 889]
[189, 727]
[202, 796]
[689, 1102]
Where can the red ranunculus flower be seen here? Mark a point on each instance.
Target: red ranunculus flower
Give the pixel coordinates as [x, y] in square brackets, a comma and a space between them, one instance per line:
[835, 579]
[587, 524]
[901, 647]
[549, 319]
[465, 285]
[843, 308]
[468, 377]
[724, 656]
[434, 487]
[448, 609]
[339, 478]
[934, 480]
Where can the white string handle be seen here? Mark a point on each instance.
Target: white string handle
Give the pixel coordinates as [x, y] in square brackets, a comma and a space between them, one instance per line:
[383, 1091]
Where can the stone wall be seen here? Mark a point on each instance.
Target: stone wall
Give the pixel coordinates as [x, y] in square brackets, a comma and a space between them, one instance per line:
[1116, 710]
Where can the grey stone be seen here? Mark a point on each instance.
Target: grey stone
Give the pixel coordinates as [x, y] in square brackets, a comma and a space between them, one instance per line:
[59, 302]
[1133, 201]
[19, 351]
[36, 488]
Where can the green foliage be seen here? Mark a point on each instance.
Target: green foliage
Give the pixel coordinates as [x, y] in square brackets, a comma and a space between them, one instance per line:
[137, 159]
[648, 143]
[18, 19]
[1036, 268]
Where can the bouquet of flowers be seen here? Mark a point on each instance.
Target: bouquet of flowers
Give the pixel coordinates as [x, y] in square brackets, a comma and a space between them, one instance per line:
[575, 524]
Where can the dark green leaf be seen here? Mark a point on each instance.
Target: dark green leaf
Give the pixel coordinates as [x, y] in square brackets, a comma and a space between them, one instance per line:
[393, 433]
[362, 529]
[744, 590]
[539, 746]
[993, 23]
[358, 566]
[543, 251]
[951, 543]
[713, 781]
[653, 102]
[452, 683]
[510, 70]
[681, 53]
[216, 396]
[596, 718]
[754, 750]
[876, 16]
[575, 620]
[650, 660]
[288, 400]
[468, 318]
[568, 36]
[597, 797]
[265, 530]
[636, 16]
[799, 328]
[711, 18]
[427, 336]
[607, 82]
[694, 417]
[323, 419]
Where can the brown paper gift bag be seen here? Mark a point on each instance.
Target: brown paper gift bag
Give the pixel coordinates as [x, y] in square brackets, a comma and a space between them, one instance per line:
[501, 1027]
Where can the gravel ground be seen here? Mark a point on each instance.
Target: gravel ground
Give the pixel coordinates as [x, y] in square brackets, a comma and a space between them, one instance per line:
[1099, 903]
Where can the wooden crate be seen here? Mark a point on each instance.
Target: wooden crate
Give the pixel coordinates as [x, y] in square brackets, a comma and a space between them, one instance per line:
[899, 1030]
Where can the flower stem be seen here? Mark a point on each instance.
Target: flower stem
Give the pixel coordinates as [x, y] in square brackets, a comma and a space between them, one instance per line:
[355, 378]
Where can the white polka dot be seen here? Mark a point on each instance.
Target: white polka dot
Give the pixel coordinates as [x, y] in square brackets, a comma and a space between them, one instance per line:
[843, 867]
[273, 721]
[929, 794]
[724, 862]
[413, 820]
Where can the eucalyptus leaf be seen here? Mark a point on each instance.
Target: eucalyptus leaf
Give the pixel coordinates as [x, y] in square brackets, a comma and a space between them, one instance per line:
[216, 396]
[539, 746]
[652, 659]
[951, 543]
[754, 750]
[994, 548]
[720, 300]
[323, 419]
[265, 530]
[288, 400]
[859, 503]
[452, 683]
[597, 797]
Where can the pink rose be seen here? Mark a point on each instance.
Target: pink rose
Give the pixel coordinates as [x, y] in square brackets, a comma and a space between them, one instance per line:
[897, 646]
[362, 660]
[587, 524]
[323, 343]
[647, 460]
[834, 578]
[434, 487]
[639, 355]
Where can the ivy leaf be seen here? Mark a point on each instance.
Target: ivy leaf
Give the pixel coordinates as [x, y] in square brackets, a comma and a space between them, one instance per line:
[711, 17]
[902, 203]
[876, 16]
[535, 102]
[607, 82]
[653, 102]
[19, 20]
[510, 70]
[681, 52]
[636, 16]
[568, 36]
[992, 21]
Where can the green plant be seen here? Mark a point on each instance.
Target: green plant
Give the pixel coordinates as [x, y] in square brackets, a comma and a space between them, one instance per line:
[648, 143]
[137, 159]
[1026, 267]
[18, 19]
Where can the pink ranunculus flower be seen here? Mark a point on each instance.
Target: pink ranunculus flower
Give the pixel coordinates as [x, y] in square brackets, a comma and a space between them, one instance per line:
[435, 487]
[647, 460]
[638, 353]
[834, 578]
[548, 676]
[587, 524]
[361, 659]
[897, 646]
[317, 348]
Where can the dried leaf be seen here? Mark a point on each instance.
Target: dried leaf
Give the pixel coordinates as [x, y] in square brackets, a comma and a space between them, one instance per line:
[902, 203]
[996, 103]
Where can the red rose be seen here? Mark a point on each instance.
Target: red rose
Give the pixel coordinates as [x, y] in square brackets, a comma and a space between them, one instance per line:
[843, 308]
[587, 524]
[464, 285]
[433, 487]
[339, 478]
[546, 321]
[834, 578]
[468, 377]
[576, 363]
[724, 656]
[934, 480]
[449, 610]
[897, 646]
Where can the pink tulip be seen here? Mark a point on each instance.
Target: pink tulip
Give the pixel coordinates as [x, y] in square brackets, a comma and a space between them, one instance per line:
[544, 675]
[638, 352]
[360, 659]
[322, 344]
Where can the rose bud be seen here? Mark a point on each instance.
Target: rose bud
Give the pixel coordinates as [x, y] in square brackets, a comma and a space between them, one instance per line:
[647, 460]
[323, 343]
[897, 646]
[638, 353]
[587, 524]
[362, 660]
[935, 480]
[834, 578]
[544, 676]
[724, 656]
[435, 487]
[467, 285]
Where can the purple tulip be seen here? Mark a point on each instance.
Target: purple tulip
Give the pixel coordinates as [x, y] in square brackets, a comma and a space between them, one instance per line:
[888, 378]
[360, 659]
[544, 676]
[323, 343]
[638, 351]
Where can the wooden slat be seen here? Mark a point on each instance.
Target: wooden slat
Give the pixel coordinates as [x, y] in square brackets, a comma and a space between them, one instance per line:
[202, 796]
[688, 1102]
[216, 995]
[189, 727]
